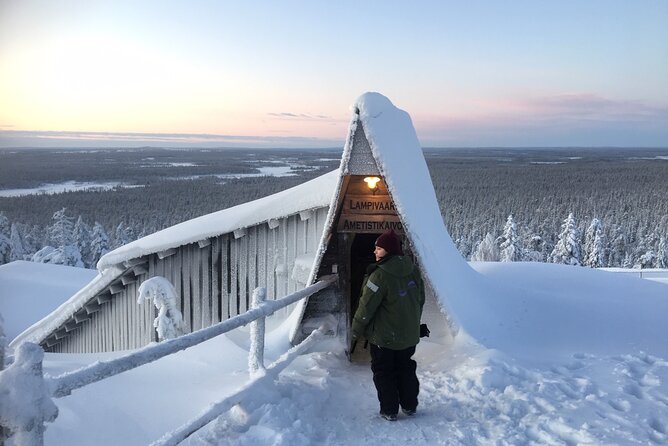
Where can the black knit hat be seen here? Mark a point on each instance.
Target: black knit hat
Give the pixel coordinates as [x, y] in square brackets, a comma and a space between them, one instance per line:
[389, 241]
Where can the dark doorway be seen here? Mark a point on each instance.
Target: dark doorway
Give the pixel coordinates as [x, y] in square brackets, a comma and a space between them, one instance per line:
[361, 256]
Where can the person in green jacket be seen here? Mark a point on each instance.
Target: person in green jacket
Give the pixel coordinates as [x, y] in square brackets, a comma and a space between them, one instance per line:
[388, 316]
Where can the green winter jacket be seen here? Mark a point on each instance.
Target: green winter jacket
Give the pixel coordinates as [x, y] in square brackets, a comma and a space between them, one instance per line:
[391, 304]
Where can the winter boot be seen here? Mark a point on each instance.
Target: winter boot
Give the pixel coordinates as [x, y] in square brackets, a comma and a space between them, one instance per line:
[389, 416]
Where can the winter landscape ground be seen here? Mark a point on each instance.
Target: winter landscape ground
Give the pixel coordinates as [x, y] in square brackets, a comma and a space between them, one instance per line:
[582, 360]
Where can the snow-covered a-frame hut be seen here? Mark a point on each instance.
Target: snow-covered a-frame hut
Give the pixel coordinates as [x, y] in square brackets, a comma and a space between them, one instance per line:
[282, 242]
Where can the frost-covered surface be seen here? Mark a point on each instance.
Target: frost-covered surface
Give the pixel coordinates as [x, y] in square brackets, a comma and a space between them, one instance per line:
[30, 291]
[312, 194]
[538, 387]
[302, 267]
[169, 323]
[309, 195]
[42, 328]
[24, 401]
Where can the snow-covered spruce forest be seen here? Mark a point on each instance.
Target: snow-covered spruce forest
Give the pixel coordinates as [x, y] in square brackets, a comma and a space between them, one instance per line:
[593, 207]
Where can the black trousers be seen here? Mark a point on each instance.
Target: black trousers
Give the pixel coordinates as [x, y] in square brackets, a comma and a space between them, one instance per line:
[395, 379]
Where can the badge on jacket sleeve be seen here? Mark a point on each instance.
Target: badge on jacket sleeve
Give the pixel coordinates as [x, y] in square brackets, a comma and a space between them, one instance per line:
[372, 286]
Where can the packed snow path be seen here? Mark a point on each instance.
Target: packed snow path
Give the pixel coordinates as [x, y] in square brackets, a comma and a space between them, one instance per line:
[467, 396]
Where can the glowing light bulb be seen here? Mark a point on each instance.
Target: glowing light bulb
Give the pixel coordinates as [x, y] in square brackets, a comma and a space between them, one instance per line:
[371, 182]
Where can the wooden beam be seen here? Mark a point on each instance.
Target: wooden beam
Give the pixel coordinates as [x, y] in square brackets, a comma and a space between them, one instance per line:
[60, 334]
[128, 278]
[140, 270]
[51, 341]
[104, 298]
[273, 223]
[305, 215]
[136, 261]
[204, 243]
[166, 253]
[92, 306]
[71, 325]
[115, 288]
[81, 316]
[238, 233]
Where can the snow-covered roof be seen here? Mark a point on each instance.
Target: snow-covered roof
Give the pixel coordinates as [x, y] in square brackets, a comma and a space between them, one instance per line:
[312, 194]
[309, 195]
[399, 158]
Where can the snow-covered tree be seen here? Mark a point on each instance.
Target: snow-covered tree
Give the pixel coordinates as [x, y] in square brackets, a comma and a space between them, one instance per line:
[644, 254]
[628, 261]
[169, 324]
[534, 249]
[510, 247]
[63, 255]
[65, 252]
[646, 260]
[4, 224]
[123, 235]
[618, 243]
[32, 240]
[662, 255]
[486, 251]
[82, 240]
[5, 245]
[61, 232]
[568, 248]
[464, 247]
[16, 244]
[595, 245]
[99, 244]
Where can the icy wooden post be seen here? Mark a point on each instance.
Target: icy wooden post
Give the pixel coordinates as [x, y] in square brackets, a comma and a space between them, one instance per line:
[256, 353]
[26, 404]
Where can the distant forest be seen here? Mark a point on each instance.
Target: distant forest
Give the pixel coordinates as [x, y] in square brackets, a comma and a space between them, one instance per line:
[595, 207]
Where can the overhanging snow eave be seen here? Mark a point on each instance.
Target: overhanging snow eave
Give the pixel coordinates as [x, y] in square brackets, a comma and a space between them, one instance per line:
[310, 195]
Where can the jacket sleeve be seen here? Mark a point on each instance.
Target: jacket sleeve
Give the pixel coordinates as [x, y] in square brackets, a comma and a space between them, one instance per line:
[372, 296]
[421, 289]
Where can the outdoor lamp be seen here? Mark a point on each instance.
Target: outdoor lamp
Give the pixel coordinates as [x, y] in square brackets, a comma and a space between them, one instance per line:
[371, 182]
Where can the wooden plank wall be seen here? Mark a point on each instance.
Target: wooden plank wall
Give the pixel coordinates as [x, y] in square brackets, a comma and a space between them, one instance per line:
[214, 282]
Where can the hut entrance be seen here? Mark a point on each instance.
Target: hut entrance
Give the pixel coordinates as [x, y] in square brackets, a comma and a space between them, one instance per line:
[361, 256]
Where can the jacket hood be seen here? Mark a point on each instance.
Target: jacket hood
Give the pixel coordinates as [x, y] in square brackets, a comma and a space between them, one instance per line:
[399, 266]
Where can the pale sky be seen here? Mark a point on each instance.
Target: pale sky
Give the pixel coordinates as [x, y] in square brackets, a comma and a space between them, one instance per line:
[285, 73]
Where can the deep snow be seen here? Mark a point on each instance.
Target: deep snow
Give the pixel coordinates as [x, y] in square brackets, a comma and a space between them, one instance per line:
[525, 385]
[542, 353]
[29, 291]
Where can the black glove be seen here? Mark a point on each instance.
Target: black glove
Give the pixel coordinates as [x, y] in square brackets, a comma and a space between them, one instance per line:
[424, 331]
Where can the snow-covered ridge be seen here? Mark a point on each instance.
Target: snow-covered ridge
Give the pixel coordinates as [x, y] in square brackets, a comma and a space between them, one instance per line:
[309, 195]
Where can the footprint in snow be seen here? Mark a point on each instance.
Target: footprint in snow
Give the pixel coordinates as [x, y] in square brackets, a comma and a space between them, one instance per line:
[621, 406]
[634, 390]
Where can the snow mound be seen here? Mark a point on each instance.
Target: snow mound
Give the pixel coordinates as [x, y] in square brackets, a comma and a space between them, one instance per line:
[30, 291]
[547, 311]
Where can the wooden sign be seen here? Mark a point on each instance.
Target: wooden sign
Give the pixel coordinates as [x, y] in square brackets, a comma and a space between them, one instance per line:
[372, 224]
[368, 204]
[367, 211]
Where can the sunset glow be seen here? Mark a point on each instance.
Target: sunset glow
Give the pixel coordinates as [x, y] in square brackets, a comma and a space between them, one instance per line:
[483, 74]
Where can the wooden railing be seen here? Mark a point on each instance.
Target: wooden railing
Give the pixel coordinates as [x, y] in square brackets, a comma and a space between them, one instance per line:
[27, 368]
